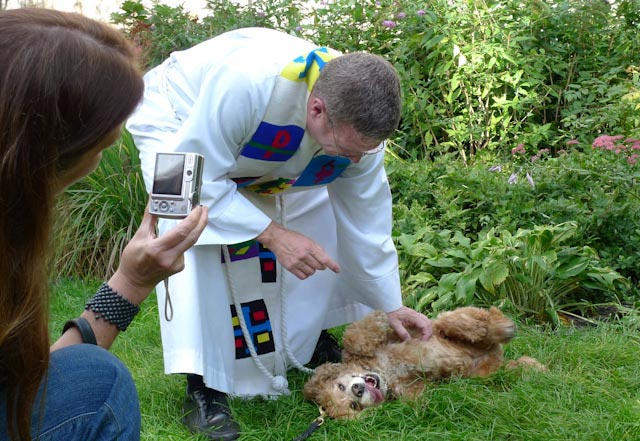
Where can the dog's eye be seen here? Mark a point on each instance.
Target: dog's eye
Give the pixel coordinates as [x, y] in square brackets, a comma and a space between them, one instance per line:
[341, 387]
[354, 405]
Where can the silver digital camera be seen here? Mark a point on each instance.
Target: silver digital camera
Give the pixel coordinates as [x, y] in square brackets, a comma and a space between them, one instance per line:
[177, 181]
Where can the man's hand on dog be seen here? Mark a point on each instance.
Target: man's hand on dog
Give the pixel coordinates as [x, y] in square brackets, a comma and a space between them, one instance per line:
[405, 317]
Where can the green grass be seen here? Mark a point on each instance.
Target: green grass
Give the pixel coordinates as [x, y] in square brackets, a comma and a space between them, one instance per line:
[591, 392]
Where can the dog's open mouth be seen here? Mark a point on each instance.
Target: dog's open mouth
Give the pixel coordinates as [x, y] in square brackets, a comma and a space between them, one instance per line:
[372, 382]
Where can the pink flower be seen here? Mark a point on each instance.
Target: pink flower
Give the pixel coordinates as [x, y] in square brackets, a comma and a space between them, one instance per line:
[633, 159]
[519, 149]
[389, 24]
[635, 143]
[573, 142]
[606, 142]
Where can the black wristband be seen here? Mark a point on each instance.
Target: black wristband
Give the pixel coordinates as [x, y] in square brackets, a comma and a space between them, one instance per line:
[86, 331]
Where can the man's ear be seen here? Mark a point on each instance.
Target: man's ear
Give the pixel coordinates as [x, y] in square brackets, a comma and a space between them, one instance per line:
[316, 107]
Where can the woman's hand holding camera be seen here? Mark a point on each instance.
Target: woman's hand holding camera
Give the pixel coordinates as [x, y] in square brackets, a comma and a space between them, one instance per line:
[148, 259]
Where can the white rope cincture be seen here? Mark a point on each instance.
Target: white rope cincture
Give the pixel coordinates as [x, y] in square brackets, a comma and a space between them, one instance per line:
[283, 308]
[278, 382]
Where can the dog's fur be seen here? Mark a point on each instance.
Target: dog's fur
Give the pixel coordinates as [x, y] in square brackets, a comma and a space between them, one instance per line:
[377, 366]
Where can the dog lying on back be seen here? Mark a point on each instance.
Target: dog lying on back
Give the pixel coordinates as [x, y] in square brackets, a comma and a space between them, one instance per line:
[377, 366]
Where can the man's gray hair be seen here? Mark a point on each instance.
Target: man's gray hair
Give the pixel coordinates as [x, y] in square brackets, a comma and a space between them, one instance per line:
[361, 90]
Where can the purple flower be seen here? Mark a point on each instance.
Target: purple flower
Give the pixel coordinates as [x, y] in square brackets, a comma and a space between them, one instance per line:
[389, 24]
[421, 12]
[261, 13]
[298, 28]
[400, 15]
[495, 168]
[530, 179]
[513, 179]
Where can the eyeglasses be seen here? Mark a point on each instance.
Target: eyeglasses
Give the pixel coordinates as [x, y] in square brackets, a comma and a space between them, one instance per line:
[351, 155]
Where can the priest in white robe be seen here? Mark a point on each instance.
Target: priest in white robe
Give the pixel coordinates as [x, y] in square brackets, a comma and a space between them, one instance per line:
[299, 235]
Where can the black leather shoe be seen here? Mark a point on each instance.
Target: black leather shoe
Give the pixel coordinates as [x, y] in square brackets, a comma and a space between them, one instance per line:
[206, 412]
[327, 350]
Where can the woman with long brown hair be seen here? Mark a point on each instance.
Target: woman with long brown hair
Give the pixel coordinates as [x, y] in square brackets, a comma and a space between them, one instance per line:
[67, 83]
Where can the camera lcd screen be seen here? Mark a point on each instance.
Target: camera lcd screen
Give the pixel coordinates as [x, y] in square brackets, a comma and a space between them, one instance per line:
[168, 174]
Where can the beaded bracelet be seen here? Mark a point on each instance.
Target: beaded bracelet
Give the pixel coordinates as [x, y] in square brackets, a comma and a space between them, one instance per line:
[111, 306]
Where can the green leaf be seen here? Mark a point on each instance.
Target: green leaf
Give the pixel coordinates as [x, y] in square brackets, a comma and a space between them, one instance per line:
[449, 281]
[422, 278]
[441, 262]
[465, 289]
[572, 267]
[493, 275]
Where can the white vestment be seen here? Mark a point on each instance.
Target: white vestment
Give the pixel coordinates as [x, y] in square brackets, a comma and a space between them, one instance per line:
[240, 100]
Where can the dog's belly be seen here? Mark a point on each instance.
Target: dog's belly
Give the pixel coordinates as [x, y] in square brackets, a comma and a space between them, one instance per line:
[436, 358]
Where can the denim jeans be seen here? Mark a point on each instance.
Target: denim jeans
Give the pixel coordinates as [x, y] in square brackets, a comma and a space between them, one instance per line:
[90, 396]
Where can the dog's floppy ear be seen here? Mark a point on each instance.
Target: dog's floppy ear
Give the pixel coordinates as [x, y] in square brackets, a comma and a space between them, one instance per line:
[318, 387]
[323, 376]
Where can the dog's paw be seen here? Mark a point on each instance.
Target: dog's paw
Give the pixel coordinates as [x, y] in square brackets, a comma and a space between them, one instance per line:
[526, 363]
[476, 326]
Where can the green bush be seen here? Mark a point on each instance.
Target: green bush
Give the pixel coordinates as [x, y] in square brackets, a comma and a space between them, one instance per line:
[593, 189]
[531, 272]
[98, 215]
[489, 75]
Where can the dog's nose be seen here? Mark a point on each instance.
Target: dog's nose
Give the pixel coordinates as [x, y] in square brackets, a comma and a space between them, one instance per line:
[357, 389]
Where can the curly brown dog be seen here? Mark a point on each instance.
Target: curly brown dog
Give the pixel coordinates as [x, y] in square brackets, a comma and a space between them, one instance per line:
[377, 366]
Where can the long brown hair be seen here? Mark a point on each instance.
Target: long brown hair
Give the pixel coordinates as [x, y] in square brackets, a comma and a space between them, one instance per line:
[66, 81]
